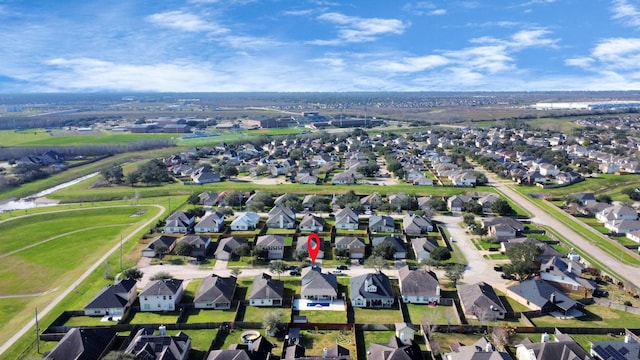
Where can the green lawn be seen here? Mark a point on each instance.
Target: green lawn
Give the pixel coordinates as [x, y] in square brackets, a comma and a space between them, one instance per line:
[85, 321]
[377, 316]
[315, 341]
[234, 338]
[148, 317]
[419, 313]
[324, 316]
[209, 315]
[257, 313]
[377, 337]
[597, 316]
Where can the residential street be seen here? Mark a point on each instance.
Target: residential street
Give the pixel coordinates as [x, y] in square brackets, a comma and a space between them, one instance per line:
[629, 272]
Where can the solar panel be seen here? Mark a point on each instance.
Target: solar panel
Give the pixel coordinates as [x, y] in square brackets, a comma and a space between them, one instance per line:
[614, 353]
[624, 351]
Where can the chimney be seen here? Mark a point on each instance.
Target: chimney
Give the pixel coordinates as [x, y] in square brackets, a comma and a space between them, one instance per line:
[569, 268]
[325, 352]
[250, 346]
[163, 330]
[438, 290]
[488, 347]
[552, 298]
[627, 339]
[545, 338]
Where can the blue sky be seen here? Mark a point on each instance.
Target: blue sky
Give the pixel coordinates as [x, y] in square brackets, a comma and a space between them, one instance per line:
[318, 45]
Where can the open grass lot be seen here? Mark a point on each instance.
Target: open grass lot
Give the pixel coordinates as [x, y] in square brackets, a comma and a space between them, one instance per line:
[195, 316]
[418, 313]
[149, 317]
[314, 341]
[323, 316]
[39, 137]
[17, 311]
[377, 316]
[596, 316]
[602, 183]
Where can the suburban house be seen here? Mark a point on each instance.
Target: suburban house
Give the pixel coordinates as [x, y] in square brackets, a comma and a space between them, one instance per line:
[354, 246]
[481, 349]
[539, 295]
[418, 286]
[210, 223]
[317, 285]
[281, 218]
[371, 290]
[274, 243]
[311, 223]
[199, 244]
[146, 345]
[346, 219]
[622, 226]
[457, 202]
[422, 248]
[164, 243]
[617, 349]
[178, 223]
[371, 201]
[381, 223]
[161, 295]
[415, 224]
[617, 212]
[463, 178]
[207, 198]
[394, 349]
[398, 245]
[225, 248]
[480, 301]
[266, 291]
[566, 274]
[502, 228]
[205, 175]
[84, 343]
[563, 347]
[302, 246]
[113, 300]
[215, 292]
[245, 221]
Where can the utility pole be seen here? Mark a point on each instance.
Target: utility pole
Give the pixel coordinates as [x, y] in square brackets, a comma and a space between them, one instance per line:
[120, 252]
[37, 332]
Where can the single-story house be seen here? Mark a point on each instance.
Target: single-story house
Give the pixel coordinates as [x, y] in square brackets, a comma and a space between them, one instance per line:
[274, 243]
[212, 222]
[480, 301]
[164, 242]
[266, 291]
[418, 286]
[354, 246]
[113, 300]
[245, 221]
[381, 223]
[199, 244]
[317, 285]
[215, 292]
[225, 248]
[311, 223]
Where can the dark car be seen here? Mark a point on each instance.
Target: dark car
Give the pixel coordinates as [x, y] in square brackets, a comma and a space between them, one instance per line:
[342, 267]
[497, 268]
[600, 293]
[294, 273]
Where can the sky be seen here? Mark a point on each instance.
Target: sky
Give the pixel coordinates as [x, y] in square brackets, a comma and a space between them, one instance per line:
[318, 45]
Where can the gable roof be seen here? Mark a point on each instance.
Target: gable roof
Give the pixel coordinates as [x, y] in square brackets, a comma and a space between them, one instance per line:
[229, 243]
[315, 282]
[161, 287]
[82, 344]
[359, 285]
[113, 296]
[145, 345]
[541, 293]
[394, 350]
[349, 241]
[310, 220]
[270, 240]
[265, 287]
[216, 289]
[161, 240]
[479, 296]
[418, 282]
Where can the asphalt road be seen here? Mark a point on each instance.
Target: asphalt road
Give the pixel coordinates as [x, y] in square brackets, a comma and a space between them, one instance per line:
[628, 272]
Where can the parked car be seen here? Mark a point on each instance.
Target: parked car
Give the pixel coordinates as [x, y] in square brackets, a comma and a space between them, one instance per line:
[294, 273]
[600, 293]
[342, 267]
[337, 272]
[497, 268]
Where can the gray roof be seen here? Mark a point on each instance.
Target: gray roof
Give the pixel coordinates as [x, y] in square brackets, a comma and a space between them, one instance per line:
[564, 348]
[82, 344]
[113, 296]
[479, 296]
[270, 240]
[394, 350]
[358, 285]
[210, 220]
[418, 282]
[161, 287]
[540, 293]
[397, 243]
[230, 243]
[265, 287]
[238, 354]
[216, 289]
[310, 220]
[315, 282]
[348, 241]
[477, 351]
[381, 220]
[161, 240]
[145, 345]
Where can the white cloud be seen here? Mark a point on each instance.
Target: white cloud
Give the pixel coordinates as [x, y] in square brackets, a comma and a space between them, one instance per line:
[528, 38]
[619, 53]
[626, 12]
[184, 21]
[352, 29]
[410, 64]
[438, 12]
[582, 62]
[537, 2]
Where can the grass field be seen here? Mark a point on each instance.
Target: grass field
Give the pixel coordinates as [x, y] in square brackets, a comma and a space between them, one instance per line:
[27, 270]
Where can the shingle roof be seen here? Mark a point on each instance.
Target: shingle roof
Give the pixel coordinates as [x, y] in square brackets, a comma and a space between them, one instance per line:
[381, 281]
[162, 287]
[112, 296]
[265, 287]
[418, 282]
[82, 344]
[215, 288]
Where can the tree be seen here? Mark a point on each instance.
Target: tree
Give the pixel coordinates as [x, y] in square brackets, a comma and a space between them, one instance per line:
[522, 256]
[161, 250]
[184, 249]
[376, 262]
[468, 219]
[113, 175]
[454, 273]
[501, 207]
[242, 250]
[162, 275]
[277, 267]
[132, 273]
[273, 323]
[441, 254]
[260, 201]
[502, 335]
[604, 198]
[341, 253]
[194, 199]
[261, 253]
[228, 171]
[384, 250]
[236, 272]
[301, 254]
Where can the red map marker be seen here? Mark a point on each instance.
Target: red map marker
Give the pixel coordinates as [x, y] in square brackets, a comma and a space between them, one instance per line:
[313, 244]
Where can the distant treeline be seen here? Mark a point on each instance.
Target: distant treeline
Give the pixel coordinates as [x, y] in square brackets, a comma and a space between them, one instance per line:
[71, 152]
[51, 121]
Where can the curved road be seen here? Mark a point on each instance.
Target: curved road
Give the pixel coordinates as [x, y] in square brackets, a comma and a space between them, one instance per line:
[586, 246]
[20, 332]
